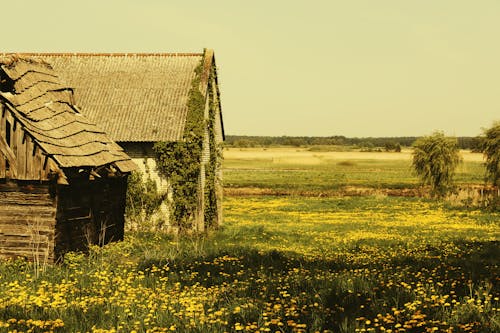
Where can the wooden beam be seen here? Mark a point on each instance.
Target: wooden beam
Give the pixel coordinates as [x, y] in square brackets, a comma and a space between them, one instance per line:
[20, 151]
[2, 134]
[9, 154]
[45, 160]
[61, 176]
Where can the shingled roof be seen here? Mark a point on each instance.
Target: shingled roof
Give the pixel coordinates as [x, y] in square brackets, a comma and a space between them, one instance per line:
[133, 97]
[44, 107]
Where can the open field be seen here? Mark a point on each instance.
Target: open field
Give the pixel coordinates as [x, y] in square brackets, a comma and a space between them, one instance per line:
[294, 170]
[281, 264]
[294, 263]
[307, 156]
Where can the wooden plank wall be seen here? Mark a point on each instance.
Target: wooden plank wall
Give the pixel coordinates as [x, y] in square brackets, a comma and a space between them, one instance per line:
[29, 157]
[2, 134]
[27, 221]
[90, 213]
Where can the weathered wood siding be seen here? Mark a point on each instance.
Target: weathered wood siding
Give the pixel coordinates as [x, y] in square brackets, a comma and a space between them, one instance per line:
[27, 221]
[19, 151]
[41, 223]
[89, 213]
[2, 135]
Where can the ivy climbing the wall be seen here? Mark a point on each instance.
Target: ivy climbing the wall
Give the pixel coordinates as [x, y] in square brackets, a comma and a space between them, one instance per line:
[213, 166]
[180, 161]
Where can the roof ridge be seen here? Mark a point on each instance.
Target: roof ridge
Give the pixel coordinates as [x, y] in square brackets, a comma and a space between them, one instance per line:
[100, 54]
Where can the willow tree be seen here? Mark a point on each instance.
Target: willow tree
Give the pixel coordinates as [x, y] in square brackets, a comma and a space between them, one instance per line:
[435, 159]
[490, 146]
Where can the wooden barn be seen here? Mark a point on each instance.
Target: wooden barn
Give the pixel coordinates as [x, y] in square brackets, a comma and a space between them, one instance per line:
[62, 180]
[142, 99]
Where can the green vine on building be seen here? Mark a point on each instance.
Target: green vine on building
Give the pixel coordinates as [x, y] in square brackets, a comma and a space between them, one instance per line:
[212, 178]
[180, 162]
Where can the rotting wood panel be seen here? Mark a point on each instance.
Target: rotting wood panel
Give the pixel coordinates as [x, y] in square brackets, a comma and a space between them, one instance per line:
[20, 151]
[2, 135]
[90, 213]
[6, 144]
[26, 159]
[27, 221]
[42, 222]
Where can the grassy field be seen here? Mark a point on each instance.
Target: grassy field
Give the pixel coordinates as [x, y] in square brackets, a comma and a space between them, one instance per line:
[299, 170]
[280, 264]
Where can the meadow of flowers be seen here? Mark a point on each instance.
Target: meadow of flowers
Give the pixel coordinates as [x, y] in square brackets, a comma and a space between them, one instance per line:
[279, 264]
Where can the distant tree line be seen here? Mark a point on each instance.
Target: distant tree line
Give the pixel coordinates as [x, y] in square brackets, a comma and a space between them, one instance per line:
[387, 143]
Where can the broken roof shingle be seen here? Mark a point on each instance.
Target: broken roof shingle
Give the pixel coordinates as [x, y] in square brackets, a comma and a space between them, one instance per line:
[44, 107]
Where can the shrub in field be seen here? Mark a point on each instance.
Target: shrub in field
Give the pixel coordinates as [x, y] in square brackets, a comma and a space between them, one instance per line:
[490, 146]
[435, 159]
[347, 163]
[393, 146]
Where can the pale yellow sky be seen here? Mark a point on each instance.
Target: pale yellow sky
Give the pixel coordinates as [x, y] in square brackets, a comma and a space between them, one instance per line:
[354, 68]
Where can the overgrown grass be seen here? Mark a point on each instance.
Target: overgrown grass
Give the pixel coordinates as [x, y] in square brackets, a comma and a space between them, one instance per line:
[284, 264]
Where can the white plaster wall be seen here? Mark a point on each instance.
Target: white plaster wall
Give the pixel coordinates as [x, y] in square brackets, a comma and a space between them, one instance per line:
[147, 166]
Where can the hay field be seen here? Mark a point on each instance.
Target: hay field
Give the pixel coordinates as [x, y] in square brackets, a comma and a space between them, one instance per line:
[306, 157]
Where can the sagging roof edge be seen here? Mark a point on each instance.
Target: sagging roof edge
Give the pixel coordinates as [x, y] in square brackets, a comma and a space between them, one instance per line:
[24, 124]
[122, 165]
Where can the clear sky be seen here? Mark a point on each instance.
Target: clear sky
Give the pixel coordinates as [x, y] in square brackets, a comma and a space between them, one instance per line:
[312, 68]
